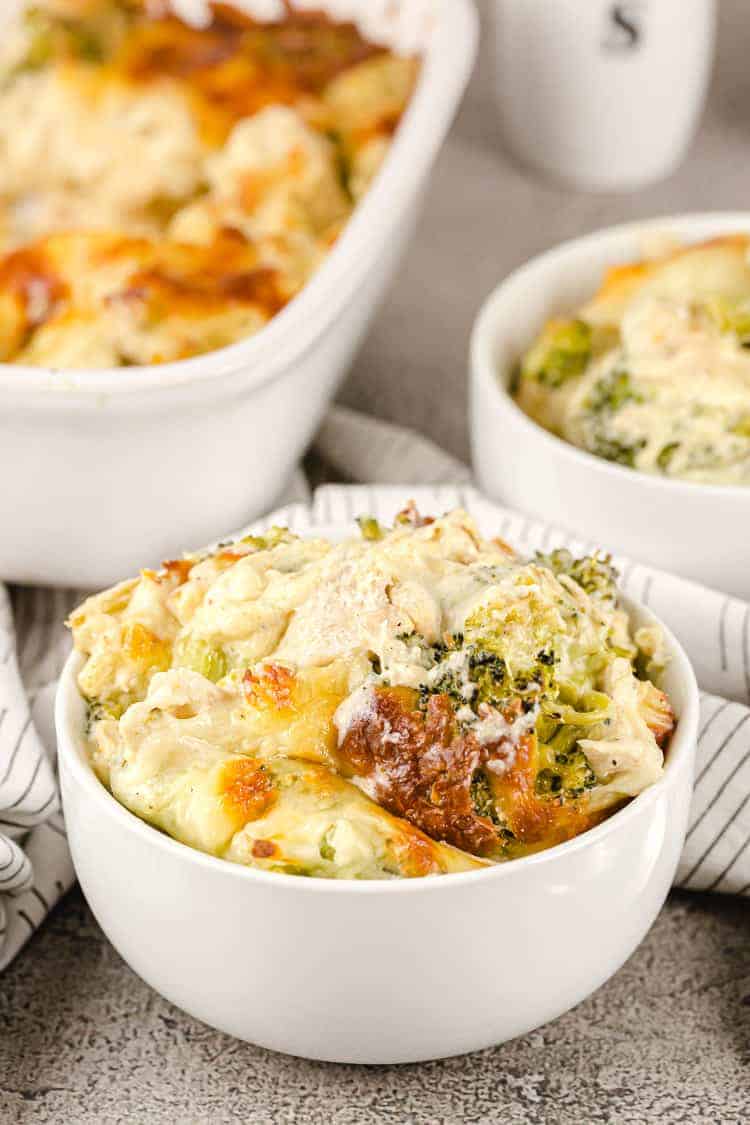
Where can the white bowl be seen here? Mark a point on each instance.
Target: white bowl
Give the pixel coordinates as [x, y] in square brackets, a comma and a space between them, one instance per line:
[106, 470]
[697, 530]
[378, 972]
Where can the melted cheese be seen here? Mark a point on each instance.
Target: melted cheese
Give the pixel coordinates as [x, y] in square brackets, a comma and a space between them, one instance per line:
[216, 163]
[291, 655]
[678, 365]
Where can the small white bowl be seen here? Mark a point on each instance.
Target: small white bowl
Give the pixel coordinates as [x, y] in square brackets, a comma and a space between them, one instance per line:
[378, 972]
[697, 530]
[104, 470]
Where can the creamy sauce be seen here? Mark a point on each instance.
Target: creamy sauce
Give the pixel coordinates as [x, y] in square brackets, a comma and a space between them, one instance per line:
[668, 393]
[402, 678]
[254, 142]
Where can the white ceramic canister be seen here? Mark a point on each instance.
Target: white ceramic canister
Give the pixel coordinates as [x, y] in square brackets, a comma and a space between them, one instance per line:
[602, 95]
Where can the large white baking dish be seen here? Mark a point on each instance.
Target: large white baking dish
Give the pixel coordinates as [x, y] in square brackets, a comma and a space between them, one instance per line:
[105, 470]
[378, 971]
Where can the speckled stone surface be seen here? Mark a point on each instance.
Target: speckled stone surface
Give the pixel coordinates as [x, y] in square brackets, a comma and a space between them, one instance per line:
[84, 1042]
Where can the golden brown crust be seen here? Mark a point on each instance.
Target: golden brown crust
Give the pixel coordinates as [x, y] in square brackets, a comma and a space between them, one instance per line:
[537, 821]
[294, 58]
[437, 724]
[248, 180]
[422, 766]
[271, 685]
[620, 283]
[247, 790]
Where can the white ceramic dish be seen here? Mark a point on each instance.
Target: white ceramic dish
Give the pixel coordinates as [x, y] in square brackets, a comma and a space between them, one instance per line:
[105, 470]
[378, 972]
[696, 530]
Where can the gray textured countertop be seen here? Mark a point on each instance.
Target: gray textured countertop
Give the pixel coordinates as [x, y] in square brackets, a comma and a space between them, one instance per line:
[82, 1040]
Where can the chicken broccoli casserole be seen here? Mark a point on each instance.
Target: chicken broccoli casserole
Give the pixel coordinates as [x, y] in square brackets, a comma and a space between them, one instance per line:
[415, 701]
[654, 372]
[166, 188]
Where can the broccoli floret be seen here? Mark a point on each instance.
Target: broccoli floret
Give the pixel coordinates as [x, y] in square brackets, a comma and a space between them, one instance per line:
[665, 455]
[569, 776]
[482, 798]
[609, 394]
[731, 315]
[98, 709]
[50, 37]
[370, 528]
[741, 428]
[496, 685]
[490, 674]
[611, 449]
[577, 773]
[487, 670]
[269, 539]
[84, 44]
[326, 848]
[41, 47]
[561, 353]
[444, 680]
[207, 659]
[593, 573]
[484, 805]
[548, 783]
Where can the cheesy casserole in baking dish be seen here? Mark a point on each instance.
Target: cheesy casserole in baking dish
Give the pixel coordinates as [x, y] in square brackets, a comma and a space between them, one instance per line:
[164, 188]
[415, 701]
[653, 372]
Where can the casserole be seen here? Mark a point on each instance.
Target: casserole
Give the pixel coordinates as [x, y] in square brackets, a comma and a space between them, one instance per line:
[115, 470]
[255, 141]
[654, 371]
[692, 528]
[414, 700]
[378, 971]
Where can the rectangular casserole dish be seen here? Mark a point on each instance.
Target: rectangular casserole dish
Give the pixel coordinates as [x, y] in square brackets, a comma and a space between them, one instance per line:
[103, 469]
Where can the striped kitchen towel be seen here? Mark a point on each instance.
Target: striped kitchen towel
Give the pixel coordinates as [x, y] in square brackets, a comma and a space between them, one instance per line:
[35, 866]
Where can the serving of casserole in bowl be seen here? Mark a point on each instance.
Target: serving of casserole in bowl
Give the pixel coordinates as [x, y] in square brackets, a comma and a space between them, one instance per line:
[200, 206]
[611, 393]
[388, 772]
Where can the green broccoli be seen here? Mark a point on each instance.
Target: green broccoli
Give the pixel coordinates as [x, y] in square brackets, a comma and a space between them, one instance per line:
[610, 393]
[50, 37]
[741, 428]
[593, 573]
[326, 849]
[562, 352]
[731, 315]
[611, 449]
[370, 528]
[569, 776]
[665, 455]
[482, 798]
[274, 537]
[201, 656]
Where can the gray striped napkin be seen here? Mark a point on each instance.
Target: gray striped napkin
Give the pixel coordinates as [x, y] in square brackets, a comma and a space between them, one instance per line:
[35, 866]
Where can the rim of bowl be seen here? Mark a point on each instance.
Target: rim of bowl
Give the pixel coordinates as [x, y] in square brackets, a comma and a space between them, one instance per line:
[72, 752]
[703, 225]
[446, 64]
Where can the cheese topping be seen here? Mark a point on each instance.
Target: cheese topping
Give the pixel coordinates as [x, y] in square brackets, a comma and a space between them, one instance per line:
[415, 702]
[654, 372]
[166, 187]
